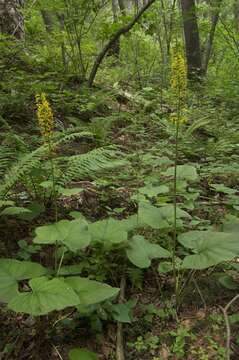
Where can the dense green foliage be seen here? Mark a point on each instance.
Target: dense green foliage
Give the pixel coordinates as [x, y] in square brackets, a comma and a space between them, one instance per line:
[124, 210]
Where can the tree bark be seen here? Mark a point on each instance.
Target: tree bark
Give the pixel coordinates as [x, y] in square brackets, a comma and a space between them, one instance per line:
[11, 19]
[208, 49]
[236, 14]
[122, 7]
[192, 41]
[47, 19]
[115, 38]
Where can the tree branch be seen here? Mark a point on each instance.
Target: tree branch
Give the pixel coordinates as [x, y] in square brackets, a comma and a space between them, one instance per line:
[111, 42]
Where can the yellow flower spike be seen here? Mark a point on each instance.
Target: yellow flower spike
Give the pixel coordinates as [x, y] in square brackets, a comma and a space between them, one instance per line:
[44, 116]
[179, 85]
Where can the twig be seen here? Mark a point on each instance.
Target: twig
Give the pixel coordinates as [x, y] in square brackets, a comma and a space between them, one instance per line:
[120, 336]
[200, 294]
[224, 311]
[57, 351]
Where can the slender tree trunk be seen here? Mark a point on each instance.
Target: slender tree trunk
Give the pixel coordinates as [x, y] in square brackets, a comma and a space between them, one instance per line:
[61, 19]
[11, 19]
[192, 42]
[124, 30]
[115, 50]
[236, 14]
[122, 6]
[47, 19]
[208, 49]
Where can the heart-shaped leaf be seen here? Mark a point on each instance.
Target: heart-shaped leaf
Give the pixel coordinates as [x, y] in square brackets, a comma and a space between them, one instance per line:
[73, 234]
[12, 271]
[211, 248]
[45, 296]
[90, 291]
[141, 252]
[152, 191]
[184, 172]
[110, 230]
[159, 217]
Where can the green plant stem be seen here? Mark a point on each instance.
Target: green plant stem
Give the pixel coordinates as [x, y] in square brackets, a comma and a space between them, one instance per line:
[175, 275]
[60, 263]
[53, 194]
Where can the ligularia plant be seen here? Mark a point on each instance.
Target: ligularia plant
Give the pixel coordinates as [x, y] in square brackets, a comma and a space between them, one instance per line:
[179, 89]
[45, 119]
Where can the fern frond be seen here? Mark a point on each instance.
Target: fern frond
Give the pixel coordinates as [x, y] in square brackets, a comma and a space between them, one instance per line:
[7, 156]
[22, 168]
[90, 164]
[200, 123]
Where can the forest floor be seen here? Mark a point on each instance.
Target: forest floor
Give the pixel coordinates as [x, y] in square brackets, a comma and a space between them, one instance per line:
[154, 331]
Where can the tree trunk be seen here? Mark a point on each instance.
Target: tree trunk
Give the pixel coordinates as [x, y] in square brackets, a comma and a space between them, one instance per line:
[47, 19]
[11, 19]
[192, 42]
[236, 14]
[124, 30]
[122, 7]
[115, 50]
[208, 49]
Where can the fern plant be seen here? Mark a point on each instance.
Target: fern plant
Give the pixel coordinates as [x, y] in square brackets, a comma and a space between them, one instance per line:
[33, 168]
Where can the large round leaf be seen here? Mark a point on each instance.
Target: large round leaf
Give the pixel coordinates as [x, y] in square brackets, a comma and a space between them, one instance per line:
[184, 172]
[159, 217]
[211, 248]
[141, 252]
[46, 296]
[78, 236]
[50, 234]
[90, 291]
[73, 234]
[12, 271]
[110, 230]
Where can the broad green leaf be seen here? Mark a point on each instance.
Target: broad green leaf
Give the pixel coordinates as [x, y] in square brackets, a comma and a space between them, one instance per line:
[50, 234]
[14, 211]
[90, 291]
[211, 248]
[12, 271]
[69, 192]
[73, 234]
[141, 252]
[82, 354]
[123, 312]
[71, 270]
[231, 224]
[109, 230]
[228, 282]
[159, 217]
[152, 216]
[45, 296]
[152, 191]
[78, 236]
[184, 172]
[223, 189]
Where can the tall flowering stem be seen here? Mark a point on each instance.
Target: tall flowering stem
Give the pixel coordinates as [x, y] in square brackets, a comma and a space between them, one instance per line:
[46, 124]
[179, 90]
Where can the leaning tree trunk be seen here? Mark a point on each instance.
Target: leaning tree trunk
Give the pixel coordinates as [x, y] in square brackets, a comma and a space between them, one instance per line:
[192, 42]
[11, 19]
[124, 30]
